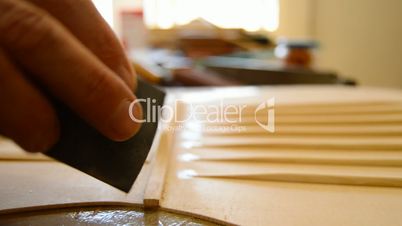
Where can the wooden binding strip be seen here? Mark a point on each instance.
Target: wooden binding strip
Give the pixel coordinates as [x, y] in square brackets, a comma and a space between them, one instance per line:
[347, 130]
[361, 143]
[354, 161]
[329, 120]
[154, 187]
[336, 107]
[357, 180]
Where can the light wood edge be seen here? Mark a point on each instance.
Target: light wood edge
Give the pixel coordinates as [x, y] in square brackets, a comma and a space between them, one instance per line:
[154, 187]
[347, 180]
[307, 161]
[162, 147]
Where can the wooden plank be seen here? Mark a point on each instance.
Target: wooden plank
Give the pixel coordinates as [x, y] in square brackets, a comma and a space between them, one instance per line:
[38, 184]
[327, 137]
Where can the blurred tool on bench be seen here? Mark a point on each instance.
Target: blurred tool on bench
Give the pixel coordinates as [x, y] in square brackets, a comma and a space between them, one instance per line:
[160, 67]
[225, 57]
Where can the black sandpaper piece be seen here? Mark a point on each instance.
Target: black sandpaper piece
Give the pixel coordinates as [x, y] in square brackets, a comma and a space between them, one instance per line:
[115, 163]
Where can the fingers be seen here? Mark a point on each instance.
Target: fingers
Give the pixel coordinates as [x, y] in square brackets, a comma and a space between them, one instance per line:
[69, 71]
[86, 24]
[25, 115]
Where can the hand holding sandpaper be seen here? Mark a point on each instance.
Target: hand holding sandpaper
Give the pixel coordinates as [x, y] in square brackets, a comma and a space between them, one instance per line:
[64, 49]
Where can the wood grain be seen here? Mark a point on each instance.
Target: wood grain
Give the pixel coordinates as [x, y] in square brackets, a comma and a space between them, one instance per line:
[334, 159]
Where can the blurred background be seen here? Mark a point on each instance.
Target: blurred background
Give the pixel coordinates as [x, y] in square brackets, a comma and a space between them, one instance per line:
[258, 42]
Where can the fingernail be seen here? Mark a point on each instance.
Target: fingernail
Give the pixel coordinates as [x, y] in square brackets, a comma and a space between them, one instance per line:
[122, 126]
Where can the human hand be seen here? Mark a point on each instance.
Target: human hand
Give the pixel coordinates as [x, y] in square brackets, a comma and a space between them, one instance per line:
[65, 49]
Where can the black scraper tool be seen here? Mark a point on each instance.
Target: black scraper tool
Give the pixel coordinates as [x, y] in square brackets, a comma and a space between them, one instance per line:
[116, 163]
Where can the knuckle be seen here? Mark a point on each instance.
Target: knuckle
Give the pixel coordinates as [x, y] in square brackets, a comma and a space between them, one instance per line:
[24, 28]
[111, 54]
[99, 83]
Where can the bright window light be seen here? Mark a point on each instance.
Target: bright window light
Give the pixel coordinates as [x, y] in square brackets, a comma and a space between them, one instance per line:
[251, 15]
[105, 8]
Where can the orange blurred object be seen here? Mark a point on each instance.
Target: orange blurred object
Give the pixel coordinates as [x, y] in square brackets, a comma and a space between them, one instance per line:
[299, 57]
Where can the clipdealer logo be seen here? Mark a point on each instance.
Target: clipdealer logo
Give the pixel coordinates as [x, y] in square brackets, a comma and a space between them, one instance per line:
[268, 106]
[229, 114]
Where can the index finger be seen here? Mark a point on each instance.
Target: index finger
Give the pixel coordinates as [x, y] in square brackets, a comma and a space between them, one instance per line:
[86, 24]
[67, 69]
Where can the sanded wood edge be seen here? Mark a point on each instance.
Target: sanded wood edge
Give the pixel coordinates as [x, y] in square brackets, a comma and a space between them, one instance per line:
[156, 180]
[154, 187]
